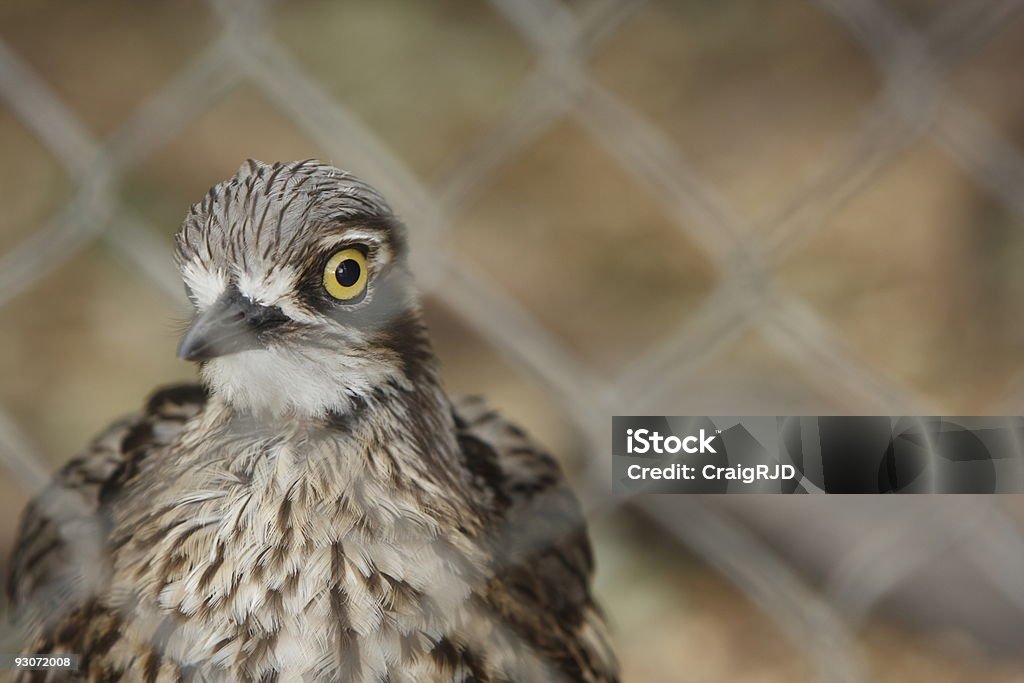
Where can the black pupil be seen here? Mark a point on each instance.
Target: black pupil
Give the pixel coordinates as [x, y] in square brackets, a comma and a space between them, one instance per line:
[347, 272]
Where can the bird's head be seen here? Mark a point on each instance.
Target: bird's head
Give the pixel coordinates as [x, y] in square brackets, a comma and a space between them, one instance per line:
[303, 299]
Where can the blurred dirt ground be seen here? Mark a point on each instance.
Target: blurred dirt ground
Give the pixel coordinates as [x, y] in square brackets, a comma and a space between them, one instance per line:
[918, 271]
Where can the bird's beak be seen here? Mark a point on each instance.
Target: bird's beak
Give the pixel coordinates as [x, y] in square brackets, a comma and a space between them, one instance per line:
[232, 324]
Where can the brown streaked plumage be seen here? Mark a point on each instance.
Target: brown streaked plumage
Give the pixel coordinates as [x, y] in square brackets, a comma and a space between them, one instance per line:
[318, 508]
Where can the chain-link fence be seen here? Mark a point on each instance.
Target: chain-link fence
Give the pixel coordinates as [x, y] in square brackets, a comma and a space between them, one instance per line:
[819, 581]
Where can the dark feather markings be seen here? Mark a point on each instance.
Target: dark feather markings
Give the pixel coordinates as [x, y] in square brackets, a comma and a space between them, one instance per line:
[542, 559]
[541, 565]
[44, 558]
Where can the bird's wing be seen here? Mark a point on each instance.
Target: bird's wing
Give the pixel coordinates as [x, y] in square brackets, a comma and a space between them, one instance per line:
[543, 556]
[59, 560]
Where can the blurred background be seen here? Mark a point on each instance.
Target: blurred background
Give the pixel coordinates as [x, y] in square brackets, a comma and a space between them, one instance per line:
[617, 207]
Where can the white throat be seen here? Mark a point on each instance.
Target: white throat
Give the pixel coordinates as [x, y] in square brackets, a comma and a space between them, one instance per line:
[311, 383]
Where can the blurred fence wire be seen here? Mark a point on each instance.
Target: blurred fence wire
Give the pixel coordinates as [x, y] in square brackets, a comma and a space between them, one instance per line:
[913, 65]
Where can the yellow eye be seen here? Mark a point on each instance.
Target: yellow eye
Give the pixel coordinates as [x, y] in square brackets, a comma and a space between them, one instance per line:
[345, 274]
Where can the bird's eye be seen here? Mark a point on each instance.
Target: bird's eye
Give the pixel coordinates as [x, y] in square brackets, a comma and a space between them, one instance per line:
[345, 274]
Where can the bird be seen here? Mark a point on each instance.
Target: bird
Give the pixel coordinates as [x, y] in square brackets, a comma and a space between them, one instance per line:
[316, 507]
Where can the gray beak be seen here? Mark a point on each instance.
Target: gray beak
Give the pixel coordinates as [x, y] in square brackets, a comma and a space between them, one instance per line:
[232, 324]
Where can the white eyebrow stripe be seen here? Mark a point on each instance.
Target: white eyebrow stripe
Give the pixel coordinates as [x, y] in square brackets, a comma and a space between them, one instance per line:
[206, 285]
[268, 288]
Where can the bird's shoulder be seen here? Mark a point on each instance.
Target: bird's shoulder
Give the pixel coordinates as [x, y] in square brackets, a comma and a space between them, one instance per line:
[502, 455]
[543, 557]
[58, 559]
